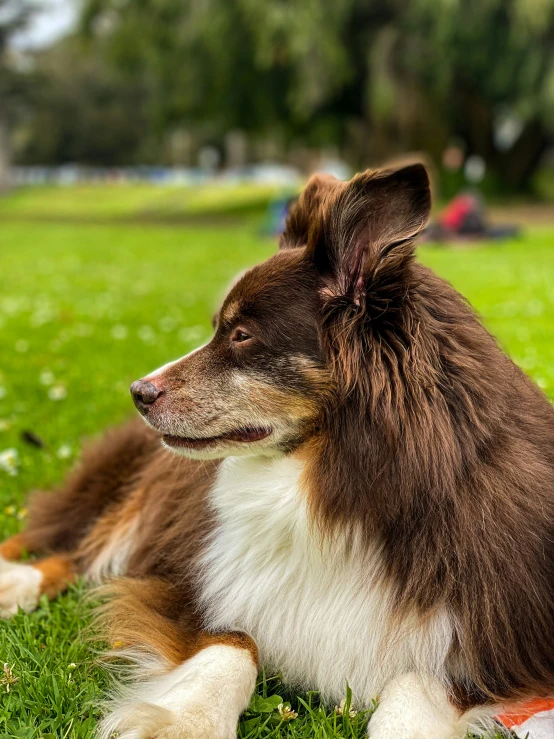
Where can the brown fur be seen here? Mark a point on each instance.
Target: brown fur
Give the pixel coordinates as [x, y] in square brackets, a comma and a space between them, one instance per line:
[143, 614]
[142, 476]
[109, 469]
[114, 523]
[460, 493]
[415, 427]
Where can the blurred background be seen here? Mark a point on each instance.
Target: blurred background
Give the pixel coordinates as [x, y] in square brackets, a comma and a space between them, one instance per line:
[182, 90]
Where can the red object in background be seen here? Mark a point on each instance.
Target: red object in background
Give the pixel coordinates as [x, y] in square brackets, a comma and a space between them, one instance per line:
[456, 212]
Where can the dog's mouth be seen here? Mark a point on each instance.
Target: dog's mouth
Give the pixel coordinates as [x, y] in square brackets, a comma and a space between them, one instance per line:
[243, 436]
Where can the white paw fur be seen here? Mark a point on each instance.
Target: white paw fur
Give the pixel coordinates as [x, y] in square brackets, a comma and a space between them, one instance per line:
[201, 699]
[19, 588]
[416, 707]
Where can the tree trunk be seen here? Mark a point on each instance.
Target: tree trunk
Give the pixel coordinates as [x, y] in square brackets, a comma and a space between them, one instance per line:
[513, 168]
[4, 154]
[476, 125]
[518, 165]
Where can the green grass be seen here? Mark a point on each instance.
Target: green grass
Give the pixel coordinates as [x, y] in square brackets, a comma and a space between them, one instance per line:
[84, 310]
[142, 201]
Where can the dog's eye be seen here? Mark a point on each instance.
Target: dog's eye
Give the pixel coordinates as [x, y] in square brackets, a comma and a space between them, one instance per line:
[239, 336]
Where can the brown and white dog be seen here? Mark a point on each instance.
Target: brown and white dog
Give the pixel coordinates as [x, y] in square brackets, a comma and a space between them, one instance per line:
[354, 484]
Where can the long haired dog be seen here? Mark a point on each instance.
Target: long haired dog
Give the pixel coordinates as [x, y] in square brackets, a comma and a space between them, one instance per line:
[353, 484]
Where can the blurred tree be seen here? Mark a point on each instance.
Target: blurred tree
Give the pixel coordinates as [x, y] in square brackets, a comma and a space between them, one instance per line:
[82, 110]
[485, 68]
[279, 69]
[399, 75]
[14, 16]
[370, 77]
[197, 60]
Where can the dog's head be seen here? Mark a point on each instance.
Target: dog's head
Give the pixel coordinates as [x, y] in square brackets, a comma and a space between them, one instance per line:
[284, 350]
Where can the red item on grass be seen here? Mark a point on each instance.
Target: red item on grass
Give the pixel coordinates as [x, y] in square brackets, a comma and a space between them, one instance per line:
[534, 719]
[456, 212]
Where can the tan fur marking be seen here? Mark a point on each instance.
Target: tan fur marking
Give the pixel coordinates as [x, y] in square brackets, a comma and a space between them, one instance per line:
[230, 311]
[276, 401]
[57, 573]
[137, 613]
[114, 523]
[319, 378]
[304, 406]
[14, 547]
[145, 614]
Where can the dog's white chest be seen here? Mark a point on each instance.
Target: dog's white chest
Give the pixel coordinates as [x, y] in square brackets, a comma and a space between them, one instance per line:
[312, 605]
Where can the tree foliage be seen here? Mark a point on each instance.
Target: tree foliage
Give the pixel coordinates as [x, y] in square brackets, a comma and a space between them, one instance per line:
[14, 15]
[369, 77]
[81, 109]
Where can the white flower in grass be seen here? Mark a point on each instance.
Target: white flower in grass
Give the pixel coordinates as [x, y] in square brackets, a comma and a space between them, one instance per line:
[57, 392]
[64, 452]
[9, 461]
[167, 323]
[8, 678]
[83, 329]
[341, 710]
[192, 334]
[119, 332]
[146, 334]
[10, 306]
[523, 333]
[528, 363]
[42, 316]
[535, 307]
[286, 712]
[46, 377]
[142, 288]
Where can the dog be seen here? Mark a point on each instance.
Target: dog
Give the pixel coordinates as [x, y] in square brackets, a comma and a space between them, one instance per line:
[350, 482]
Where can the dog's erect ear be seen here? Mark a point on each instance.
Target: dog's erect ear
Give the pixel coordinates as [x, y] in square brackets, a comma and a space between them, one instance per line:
[304, 212]
[367, 229]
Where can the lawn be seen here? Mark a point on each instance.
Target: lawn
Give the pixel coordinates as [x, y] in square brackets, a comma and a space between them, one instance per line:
[138, 201]
[87, 308]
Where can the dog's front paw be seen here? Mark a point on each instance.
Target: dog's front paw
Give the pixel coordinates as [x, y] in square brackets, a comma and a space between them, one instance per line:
[201, 698]
[19, 588]
[150, 721]
[414, 707]
[197, 723]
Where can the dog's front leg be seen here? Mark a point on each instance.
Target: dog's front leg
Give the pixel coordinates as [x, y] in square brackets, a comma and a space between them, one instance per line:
[202, 698]
[416, 706]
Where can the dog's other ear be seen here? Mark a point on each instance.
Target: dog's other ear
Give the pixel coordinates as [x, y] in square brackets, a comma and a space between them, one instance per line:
[367, 230]
[304, 212]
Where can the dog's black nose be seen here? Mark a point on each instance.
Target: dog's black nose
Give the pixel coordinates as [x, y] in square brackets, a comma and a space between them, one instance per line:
[144, 394]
